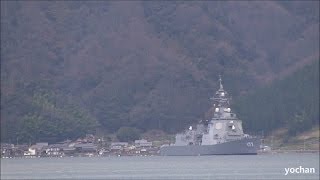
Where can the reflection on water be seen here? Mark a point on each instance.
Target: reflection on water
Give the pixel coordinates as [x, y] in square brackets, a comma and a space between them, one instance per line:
[267, 166]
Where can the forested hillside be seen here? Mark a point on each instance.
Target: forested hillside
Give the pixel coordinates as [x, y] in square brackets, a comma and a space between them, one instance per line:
[292, 102]
[73, 67]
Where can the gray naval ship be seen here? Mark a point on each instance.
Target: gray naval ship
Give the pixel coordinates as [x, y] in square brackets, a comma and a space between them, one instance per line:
[222, 135]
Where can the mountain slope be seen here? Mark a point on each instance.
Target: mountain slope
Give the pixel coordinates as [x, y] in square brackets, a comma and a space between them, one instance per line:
[292, 102]
[151, 65]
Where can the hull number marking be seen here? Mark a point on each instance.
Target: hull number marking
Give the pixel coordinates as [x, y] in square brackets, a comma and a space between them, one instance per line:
[250, 144]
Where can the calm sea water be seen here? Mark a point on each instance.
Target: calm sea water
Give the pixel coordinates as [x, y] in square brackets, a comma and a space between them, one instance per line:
[268, 166]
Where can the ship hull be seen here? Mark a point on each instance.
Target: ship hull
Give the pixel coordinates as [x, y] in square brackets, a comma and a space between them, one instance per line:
[246, 146]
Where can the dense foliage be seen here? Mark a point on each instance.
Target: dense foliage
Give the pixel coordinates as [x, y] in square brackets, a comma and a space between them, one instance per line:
[128, 134]
[46, 119]
[292, 102]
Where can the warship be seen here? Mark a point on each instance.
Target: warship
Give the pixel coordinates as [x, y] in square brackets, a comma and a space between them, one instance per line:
[222, 135]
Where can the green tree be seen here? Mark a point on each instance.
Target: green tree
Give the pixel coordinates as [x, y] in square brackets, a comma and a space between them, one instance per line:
[127, 134]
[298, 123]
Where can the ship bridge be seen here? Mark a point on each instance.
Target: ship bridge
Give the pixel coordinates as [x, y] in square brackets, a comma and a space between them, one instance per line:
[221, 104]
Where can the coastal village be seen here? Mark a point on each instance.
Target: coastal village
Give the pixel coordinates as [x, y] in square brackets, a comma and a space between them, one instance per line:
[91, 146]
[87, 146]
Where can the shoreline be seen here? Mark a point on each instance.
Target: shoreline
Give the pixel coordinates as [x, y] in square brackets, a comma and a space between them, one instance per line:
[289, 151]
[259, 153]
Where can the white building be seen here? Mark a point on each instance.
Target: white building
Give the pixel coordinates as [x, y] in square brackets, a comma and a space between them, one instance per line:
[142, 143]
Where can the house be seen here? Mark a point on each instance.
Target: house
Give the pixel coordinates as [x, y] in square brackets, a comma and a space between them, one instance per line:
[86, 148]
[20, 149]
[69, 150]
[142, 143]
[129, 150]
[36, 150]
[7, 150]
[103, 151]
[30, 152]
[88, 139]
[54, 150]
[118, 145]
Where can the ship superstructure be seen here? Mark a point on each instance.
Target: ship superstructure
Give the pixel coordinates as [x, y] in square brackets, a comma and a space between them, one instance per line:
[223, 134]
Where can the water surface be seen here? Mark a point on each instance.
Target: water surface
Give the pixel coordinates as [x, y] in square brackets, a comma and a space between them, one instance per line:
[267, 166]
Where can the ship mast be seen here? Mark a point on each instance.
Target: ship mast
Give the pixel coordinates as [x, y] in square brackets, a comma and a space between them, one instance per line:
[220, 81]
[221, 100]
